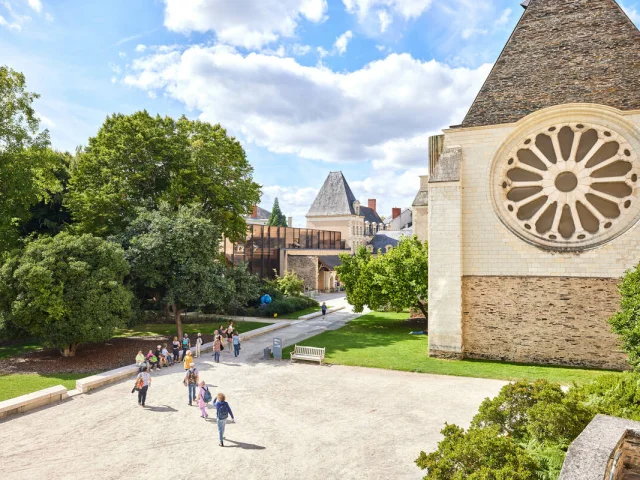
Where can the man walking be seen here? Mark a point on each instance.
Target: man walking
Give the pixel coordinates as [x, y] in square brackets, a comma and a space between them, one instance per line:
[191, 380]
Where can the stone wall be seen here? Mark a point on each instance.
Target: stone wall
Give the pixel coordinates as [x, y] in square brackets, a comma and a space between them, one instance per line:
[562, 51]
[551, 320]
[306, 267]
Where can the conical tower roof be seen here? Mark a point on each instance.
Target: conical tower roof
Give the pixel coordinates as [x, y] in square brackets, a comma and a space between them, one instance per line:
[334, 198]
[562, 51]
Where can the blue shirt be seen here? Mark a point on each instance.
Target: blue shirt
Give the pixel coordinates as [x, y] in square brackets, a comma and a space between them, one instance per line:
[219, 405]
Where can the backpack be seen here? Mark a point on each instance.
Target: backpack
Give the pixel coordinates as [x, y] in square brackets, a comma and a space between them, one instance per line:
[223, 411]
[192, 376]
[207, 396]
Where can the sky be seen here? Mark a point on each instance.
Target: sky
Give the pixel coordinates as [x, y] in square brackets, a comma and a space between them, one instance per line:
[307, 86]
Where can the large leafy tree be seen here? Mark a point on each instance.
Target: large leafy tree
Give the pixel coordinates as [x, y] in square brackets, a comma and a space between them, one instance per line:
[66, 290]
[398, 279]
[139, 161]
[25, 161]
[277, 218]
[626, 322]
[175, 257]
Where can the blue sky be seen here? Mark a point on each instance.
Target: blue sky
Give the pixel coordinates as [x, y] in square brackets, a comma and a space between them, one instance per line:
[308, 86]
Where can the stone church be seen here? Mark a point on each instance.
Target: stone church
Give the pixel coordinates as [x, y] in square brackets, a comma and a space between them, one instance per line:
[533, 201]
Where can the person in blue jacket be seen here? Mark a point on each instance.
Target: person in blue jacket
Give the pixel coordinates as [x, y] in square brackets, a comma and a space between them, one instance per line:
[223, 410]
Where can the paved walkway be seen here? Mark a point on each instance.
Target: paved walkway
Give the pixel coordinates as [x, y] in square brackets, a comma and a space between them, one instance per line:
[297, 421]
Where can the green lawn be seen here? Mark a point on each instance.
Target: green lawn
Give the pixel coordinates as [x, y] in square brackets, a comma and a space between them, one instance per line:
[20, 384]
[9, 351]
[382, 340]
[298, 314]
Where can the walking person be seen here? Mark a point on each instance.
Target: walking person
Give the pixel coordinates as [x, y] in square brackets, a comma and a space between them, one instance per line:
[324, 309]
[204, 397]
[229, 339]
[198, 345]
[186, 344]
[187, 360]
[236, 343]
[191, 380]
[143, 380]
[223, 410]
[217, 348]
[176, 349]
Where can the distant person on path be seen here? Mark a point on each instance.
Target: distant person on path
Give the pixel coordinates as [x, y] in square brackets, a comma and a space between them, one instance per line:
[143, 380]
[188, 360]
[223, 410]
[204, 397]
[217, 347]
[229, 338]
[176, 349]
[324, 309]
[236, 343]
[140, 361]
[198, 345]
[191, 380]
[186, 344]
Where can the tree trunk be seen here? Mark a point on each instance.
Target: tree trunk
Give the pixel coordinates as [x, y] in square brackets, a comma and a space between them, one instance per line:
[425, 312]
[176, 313]
[69, 350]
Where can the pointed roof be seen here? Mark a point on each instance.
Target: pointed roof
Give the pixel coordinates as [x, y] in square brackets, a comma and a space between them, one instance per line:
[334, 198]
[562, 51]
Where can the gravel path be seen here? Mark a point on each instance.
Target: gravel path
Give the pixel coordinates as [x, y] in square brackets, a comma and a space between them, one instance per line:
[294, 421]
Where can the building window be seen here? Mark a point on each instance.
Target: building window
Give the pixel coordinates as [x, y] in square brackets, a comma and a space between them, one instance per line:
[568, 185]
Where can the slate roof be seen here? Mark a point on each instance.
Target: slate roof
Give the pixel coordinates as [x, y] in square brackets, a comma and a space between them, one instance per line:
[369, 215]
[334, 198]
[422, 198]
[391, 237]
[263, 214]
[330, 261]
[562, 51]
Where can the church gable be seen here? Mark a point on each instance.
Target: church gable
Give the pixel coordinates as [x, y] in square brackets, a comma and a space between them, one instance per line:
[562, 51]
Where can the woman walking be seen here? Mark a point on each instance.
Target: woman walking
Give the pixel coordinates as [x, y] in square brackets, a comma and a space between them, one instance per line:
[204, 397]
[143, 380]
[223, 410]
[217, 347]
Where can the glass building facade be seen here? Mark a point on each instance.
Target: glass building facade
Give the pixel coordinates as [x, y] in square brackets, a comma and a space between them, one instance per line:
[261, 250]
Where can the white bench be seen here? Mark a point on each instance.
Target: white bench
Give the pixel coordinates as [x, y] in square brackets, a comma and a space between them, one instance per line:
[313, 354]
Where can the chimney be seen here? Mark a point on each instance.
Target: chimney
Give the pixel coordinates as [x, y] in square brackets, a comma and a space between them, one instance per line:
[395, 213]
[372, 204]
[289, 222]
[254, 211]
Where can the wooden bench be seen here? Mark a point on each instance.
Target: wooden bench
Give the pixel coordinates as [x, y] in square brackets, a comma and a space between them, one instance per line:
[312, 354]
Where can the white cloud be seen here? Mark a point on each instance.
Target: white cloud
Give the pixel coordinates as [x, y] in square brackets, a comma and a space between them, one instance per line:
[48, 17]
[385, 20]
[408, 9]
[322, 52]
[248, 24]
[10, 26]
[35, 5]
[633, 14]
[141, 48]
[312, 111]
[122, 54]
[278, 52]
[504, 18]
[294, 201]
[300, 50]
[342, 42]
[46, 122]
[115, 68]
[391, 188]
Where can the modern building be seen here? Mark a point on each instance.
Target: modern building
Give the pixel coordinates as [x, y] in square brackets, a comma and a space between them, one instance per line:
[533, 201]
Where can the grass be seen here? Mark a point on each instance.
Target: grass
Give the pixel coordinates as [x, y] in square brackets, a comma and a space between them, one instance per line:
[14, 385]
[382, 340]
[300, 313]
[9, 351]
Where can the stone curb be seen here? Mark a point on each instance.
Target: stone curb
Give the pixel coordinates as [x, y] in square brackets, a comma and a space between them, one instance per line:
[319, 314]
[33, 400]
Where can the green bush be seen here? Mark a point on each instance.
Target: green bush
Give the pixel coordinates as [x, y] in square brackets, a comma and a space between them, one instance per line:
[626, 322]
[288, 305]
[616, 394]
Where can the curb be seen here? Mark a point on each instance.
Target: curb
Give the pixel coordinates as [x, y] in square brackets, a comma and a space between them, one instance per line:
[319, 314]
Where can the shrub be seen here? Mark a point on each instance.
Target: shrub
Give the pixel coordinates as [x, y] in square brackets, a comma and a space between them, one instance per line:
[290, 285]
[288, 305]
[616, 394]
[626, 322]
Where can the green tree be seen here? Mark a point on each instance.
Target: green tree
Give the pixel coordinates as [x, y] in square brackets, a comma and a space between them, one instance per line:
[174, 255]
[290, 285]
[626, 322]
[242, 288]
[66, 290]
[25, 169]
[398, 279]
[477, 454]
[139, 161]
[277, 218]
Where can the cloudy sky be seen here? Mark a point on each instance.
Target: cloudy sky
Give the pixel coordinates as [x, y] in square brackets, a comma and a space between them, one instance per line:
[308, 86]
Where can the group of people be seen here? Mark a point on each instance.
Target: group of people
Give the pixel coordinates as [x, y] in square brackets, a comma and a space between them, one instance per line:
[197, 389]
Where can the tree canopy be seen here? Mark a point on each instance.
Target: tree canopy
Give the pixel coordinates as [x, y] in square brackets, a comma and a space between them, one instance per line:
[626, 322]
[26, 172]
[140, 161]
[277, 218]
[398, 279]
[66, 290]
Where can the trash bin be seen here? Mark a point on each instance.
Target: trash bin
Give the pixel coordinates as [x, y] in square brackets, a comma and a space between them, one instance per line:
[267, 353]
[277, 348]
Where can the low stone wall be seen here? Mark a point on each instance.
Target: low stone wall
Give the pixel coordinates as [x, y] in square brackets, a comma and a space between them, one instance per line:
[547, 320]
[33, 400]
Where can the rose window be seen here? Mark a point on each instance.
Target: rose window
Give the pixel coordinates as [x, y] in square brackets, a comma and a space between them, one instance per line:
[569, 186]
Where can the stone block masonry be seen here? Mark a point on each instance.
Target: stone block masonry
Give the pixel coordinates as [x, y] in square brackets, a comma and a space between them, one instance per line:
[306, 267]
[547, 320]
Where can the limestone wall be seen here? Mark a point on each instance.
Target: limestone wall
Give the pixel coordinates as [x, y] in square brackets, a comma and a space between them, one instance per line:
[555, 320]
[421, 223]
[306, 267]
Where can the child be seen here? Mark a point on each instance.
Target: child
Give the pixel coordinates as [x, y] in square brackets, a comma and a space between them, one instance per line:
[140, 361]
[187, 360]
[223, 410]
[236, 343]
[176, 349]
[217, 347]
[198, 345]
[204, 397]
